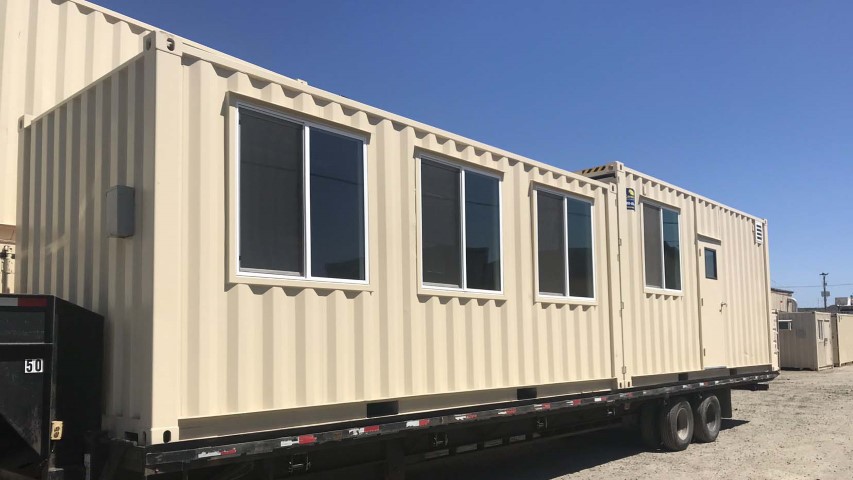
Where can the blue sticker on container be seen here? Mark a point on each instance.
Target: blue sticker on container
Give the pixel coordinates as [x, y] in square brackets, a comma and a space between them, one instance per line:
[630, 199]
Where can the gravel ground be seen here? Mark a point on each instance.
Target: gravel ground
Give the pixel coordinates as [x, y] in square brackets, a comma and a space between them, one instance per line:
[801, 428]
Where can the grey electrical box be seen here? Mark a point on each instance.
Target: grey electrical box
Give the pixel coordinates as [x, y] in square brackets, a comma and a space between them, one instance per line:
[120, 211]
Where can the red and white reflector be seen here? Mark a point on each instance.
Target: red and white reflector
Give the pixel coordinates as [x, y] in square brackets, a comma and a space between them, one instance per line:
[417, 423]
[300, 440]
[23, 302]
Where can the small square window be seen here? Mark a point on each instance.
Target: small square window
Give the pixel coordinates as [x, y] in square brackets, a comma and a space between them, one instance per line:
[784, 325]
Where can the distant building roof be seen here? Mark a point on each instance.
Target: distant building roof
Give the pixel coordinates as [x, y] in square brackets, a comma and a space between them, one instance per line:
[781, 290]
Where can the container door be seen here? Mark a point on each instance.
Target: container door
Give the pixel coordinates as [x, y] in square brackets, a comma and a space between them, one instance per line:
[712, 304]
[825, 343]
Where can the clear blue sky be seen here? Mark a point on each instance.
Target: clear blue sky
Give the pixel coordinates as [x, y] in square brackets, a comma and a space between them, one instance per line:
[749, 103]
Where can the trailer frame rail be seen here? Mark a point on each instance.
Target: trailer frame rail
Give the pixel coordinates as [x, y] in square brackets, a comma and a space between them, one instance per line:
[171, 458]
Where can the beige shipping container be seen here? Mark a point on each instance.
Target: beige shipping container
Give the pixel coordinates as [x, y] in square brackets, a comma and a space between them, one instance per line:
[203, 343]
[694, 279]
[805, 340]
[842, 339]
[782, 300]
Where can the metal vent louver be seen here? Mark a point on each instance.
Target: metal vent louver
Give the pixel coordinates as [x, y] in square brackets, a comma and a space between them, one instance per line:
[759, 233]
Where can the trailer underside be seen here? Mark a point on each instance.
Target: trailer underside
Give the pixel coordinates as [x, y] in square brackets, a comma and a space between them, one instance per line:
[385, 446]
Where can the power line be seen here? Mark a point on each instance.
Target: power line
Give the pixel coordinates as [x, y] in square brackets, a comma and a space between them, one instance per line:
[815, 286]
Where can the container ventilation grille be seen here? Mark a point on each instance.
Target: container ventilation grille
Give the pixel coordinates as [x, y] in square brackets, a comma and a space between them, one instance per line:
[759, 233]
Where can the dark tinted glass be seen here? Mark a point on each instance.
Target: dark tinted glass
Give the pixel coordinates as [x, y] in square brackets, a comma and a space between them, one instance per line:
[710, 264]
[671, 250]
[270, 193]
[550, 230]
[482, 232]
[337, 206]
[579, 222]
[440, 224]
[652, 246]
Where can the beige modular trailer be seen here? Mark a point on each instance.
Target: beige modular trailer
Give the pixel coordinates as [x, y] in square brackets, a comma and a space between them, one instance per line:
[805, 340]
[842, 339]
[212, 331]
[703, 301]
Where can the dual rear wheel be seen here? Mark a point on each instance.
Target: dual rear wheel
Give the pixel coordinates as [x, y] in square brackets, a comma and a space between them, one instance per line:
[674, 425]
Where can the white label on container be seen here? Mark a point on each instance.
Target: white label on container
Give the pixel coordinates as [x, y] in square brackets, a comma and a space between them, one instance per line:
[33, 365]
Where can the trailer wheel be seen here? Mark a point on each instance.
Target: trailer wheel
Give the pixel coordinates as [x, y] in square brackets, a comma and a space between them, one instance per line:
[650, 426]
[676, 425]
[707, 417]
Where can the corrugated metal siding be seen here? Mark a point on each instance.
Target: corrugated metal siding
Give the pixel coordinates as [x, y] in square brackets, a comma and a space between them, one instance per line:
[71, 156]
[191, 347]
[780, 302]
[259, 347]
[746, 291]
[661, 331]
[800, 347]
[48, 51]
[843, 337]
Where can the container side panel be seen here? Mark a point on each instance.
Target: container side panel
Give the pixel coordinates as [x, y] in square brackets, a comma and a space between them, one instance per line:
[844, 338]
[661, 327]
[48, 51]
[747, 326]
[251, 346]
[73, 155]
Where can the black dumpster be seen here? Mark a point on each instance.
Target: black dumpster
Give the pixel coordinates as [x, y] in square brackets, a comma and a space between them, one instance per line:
[51, 356]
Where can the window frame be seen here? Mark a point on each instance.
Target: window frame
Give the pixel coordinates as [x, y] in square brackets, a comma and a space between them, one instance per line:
[463, 290]
[306, 277]
[652, 288]
[550, 297]
[789, 324]
[705, 251]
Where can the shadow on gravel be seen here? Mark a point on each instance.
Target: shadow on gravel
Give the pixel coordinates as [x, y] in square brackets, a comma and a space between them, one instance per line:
[732, 423]
[545, 460]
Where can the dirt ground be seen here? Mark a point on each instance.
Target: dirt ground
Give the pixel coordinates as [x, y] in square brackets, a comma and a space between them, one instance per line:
[802, 428]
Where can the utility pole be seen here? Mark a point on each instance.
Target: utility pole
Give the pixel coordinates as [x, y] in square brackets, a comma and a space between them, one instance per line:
[824, 293]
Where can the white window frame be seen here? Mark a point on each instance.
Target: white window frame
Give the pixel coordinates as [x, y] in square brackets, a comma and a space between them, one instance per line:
[463, 228]
[662, 288]
[567, 295]
[789, 324]
[306, 201]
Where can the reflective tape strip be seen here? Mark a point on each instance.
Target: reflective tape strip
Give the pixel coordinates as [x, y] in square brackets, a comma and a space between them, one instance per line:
[23, 302]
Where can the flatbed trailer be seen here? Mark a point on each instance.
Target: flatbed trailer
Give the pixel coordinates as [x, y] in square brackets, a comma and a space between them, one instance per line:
[388, 445]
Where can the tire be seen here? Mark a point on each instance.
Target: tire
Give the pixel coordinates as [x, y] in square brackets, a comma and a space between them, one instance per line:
[650, 426]
[676, 425]
[707, 417]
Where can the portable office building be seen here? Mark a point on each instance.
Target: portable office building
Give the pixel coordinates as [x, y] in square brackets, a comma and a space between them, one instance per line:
[842, 339]
[694, 278]
[370, 265]
[805, 340]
